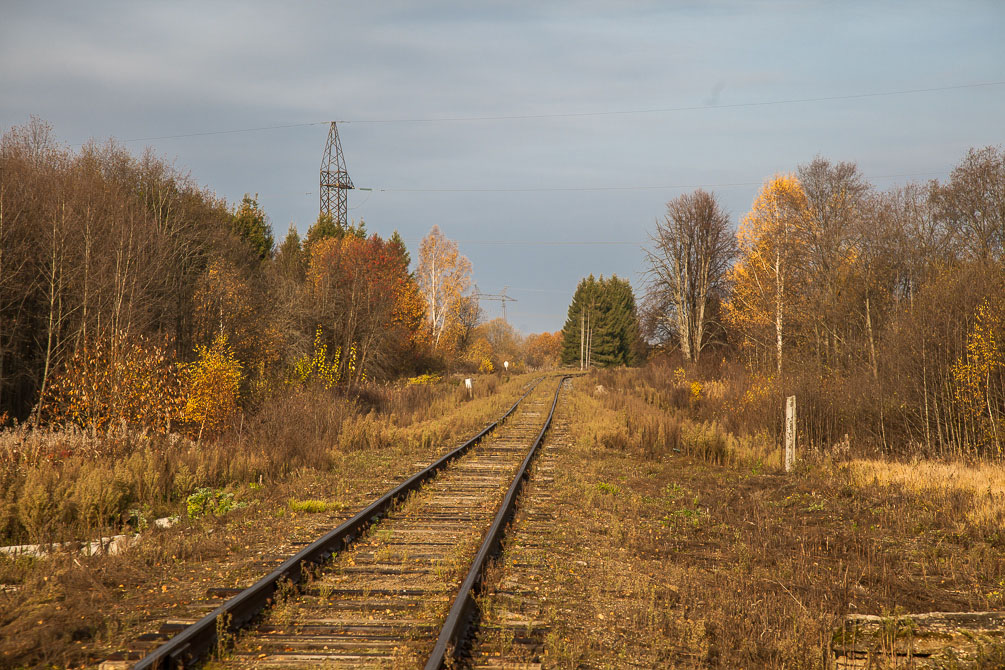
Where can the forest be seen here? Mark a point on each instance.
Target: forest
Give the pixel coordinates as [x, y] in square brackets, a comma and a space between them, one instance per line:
[881, 310]
[128, 293]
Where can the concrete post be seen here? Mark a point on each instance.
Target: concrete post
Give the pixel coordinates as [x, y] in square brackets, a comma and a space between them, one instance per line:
[790, 433]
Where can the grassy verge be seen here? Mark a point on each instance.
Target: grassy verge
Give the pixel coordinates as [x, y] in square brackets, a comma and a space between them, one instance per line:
[677, 545]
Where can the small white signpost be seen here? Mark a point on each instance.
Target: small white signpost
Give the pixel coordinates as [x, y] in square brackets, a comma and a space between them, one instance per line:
[790, 433]
[506, 365]
[467, 385]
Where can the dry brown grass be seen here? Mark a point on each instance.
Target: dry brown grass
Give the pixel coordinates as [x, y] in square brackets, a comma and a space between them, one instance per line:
[982, 485]
[300, 447]
[714, 558]
[67, 484]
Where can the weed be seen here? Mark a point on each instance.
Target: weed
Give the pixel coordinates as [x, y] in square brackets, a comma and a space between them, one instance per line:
[210, 501]
[224, 636]
[313, 506]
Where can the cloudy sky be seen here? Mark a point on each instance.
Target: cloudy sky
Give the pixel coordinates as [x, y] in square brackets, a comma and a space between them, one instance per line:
[545, 137]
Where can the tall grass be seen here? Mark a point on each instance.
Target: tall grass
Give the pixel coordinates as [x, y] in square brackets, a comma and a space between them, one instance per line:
[717, 559]
[63, 483]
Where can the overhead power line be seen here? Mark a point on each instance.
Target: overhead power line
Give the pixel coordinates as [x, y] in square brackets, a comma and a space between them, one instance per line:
[543, 243]
[229, 132]
[538, 189]
[658, 187]
[569, 115]
[690, 108]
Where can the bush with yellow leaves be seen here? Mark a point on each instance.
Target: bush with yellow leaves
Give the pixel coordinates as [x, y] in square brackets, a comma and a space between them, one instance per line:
[111, 379]
[328, 372]
[317, 367]
[979, 375]
[213, 383]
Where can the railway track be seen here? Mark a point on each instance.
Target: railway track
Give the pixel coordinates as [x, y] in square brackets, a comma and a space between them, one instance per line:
[395, 585]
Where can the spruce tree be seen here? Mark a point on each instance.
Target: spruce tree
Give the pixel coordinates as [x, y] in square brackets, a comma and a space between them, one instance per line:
[249, 223]
[398, 245]
[603, 310]
[290, 257]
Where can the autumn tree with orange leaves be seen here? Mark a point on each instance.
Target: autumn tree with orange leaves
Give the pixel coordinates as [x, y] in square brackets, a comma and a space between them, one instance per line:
[112, 379]
[366, 303]
[543, 350]
[768, 278]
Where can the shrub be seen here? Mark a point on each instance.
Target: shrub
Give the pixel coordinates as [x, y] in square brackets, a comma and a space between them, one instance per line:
[43, 504]
[210, 501]
[313, 506]
[213, 383]
[99, 499]
[110, 379]
[427, 378]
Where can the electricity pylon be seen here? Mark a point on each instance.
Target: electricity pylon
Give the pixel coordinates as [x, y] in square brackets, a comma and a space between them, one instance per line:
[335, 181]
[501, 297]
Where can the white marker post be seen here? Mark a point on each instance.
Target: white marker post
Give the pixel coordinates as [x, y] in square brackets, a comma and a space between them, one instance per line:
[506, 365]
[467, 385]
[790, 433]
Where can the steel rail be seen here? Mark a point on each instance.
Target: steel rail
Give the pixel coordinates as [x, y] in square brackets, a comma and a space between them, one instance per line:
[188, 646]
[459, 619]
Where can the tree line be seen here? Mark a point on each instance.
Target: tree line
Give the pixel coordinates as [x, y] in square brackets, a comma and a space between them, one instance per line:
[883, 309]
[128, 293]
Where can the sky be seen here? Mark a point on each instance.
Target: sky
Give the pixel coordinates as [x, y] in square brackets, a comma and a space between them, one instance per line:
[544, 137]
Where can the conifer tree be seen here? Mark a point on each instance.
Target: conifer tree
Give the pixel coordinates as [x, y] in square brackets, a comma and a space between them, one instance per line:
[602, 324]
[249, 223]
[399, 244]
[289, 257]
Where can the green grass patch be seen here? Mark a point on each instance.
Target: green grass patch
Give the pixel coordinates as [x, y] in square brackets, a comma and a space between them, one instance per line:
[314, 506]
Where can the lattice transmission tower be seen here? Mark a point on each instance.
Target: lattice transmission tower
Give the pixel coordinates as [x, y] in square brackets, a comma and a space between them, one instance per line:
[334, 180]
[501, 297]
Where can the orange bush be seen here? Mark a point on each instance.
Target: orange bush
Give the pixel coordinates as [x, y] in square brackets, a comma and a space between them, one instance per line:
[111, 379]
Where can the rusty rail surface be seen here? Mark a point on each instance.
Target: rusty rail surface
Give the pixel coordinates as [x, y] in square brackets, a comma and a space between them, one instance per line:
[455, 629]
[192, 643]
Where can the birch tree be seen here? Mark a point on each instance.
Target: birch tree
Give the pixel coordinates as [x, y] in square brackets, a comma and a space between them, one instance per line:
[444, 277]
[692, 250]
[767, 275]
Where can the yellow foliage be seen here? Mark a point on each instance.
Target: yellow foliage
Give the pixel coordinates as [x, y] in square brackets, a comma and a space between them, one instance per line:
[213, 383]
[443, 276]
[696, 389]
[976, 372]
[425, 379]
[758, 389]
[112, 378]
[317, 367]
[767, 278]
[327, 372]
